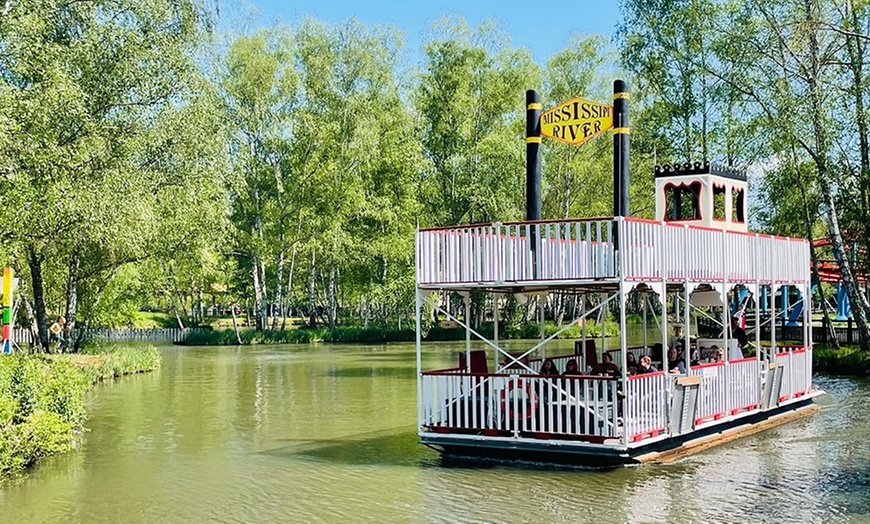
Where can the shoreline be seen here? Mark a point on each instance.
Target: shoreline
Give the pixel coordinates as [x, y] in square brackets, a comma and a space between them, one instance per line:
[43, 399]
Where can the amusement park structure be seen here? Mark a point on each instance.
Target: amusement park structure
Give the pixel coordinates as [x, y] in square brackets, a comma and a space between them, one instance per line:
[497, 404]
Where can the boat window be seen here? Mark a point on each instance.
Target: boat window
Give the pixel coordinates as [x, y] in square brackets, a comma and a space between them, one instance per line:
[737, 206]
[682, 202]
[719, 202]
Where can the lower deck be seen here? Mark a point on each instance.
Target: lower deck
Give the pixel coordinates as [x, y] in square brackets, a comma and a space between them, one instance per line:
[591, 417]
[559, 454]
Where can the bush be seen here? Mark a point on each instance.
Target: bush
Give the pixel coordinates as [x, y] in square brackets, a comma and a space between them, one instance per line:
[845, 361]
[43, 407]
[42, 398]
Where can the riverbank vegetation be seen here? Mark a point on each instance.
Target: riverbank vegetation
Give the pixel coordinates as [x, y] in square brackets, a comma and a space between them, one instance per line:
[43, 398]
[281, 172]
[845, 360]
[357, 334]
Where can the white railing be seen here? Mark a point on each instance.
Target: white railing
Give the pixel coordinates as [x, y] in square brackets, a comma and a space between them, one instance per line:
[727, 388]
[797, 372]
[498, 253]
[584, 249]
[501, 404]
[653, 250]
[646, 417]
[744, 385]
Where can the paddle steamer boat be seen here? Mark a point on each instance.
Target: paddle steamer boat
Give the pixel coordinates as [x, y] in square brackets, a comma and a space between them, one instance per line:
[697, 253]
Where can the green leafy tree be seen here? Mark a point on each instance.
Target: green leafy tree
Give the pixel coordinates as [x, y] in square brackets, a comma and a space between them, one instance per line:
[90, 92]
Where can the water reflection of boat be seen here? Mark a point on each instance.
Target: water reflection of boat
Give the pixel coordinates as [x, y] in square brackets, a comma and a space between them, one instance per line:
[694, 257]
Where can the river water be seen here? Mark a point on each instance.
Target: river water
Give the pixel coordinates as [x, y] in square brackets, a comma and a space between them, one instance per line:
[326, 433]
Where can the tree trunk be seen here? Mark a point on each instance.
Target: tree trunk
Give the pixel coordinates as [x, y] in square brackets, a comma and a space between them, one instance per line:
[312, 289]
[201, 304]
[264, 304]
[289, 287]
[527, 310]
[331, 303]
[72, 301]
[178, 318]
[857, 299]
[365, 307]
[559, 309]
[258, 296]
[826, 319]
[34, 331]
[34, 262]
[855, 48]
[235, 325]
[279, 282]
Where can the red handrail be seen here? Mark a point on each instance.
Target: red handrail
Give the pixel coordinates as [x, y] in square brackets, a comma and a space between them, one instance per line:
[644, 375]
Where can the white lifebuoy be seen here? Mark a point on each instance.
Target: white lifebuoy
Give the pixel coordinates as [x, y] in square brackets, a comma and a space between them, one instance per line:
[524, 396]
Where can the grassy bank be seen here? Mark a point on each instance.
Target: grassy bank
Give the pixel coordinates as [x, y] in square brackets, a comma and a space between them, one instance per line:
[42, 398]
[848, 360]
[227, 337]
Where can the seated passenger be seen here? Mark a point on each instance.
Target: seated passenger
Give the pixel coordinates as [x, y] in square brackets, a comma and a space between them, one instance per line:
[675, 363]
[646, 365]
[632, 364]
[678, 336]
[549, 368]
[656, 352]
[607, 367]
[720, 355]
[571, 368]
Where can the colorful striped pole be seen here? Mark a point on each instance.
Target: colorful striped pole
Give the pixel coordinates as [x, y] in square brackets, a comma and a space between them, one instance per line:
[7, 310]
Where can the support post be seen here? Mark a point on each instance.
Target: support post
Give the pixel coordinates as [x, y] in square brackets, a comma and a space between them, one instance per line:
[687, 344]
[758, 354]
[623, 342]
[808, 319]
[583, 316]
[495, 329]
[726, 322]
[602, 321]
[467, 298]
[664, 301]
[621, 131]
[419, 345]
[643, 306]
[772, 321]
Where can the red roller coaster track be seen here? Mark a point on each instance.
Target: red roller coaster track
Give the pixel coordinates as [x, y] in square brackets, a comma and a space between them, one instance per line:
[829, 270]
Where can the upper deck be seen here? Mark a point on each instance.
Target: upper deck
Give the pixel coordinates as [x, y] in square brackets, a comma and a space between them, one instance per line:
[596, 253]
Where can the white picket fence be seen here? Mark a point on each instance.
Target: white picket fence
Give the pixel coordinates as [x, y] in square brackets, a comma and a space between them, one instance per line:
[25, 336]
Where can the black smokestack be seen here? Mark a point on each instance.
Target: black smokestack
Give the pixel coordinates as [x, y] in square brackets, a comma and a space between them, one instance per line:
[621, 135]
[533, 155]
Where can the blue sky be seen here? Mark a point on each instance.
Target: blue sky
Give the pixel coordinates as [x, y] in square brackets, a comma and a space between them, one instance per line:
[543, 26]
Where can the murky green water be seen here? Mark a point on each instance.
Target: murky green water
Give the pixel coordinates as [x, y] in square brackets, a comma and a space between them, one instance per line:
[326, 434]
